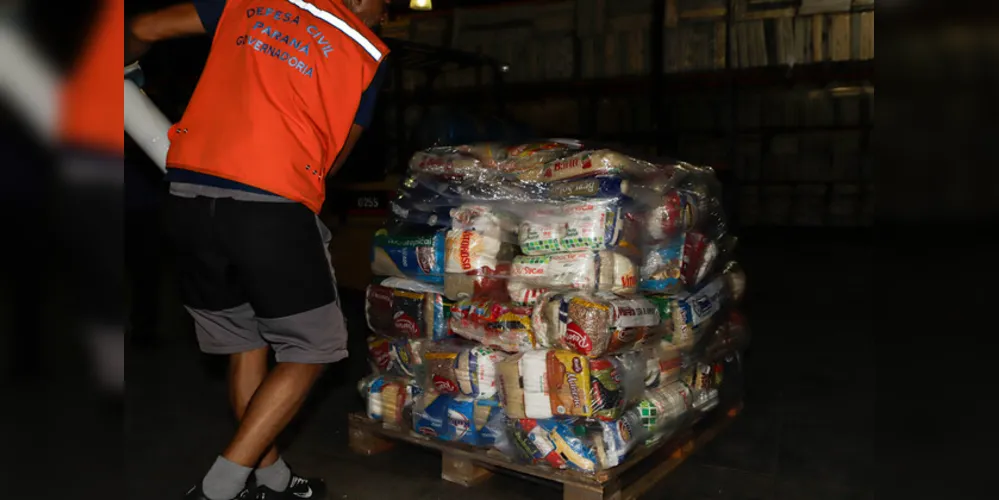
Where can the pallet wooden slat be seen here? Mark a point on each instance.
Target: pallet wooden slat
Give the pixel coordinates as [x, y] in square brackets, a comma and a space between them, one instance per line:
[468, 466]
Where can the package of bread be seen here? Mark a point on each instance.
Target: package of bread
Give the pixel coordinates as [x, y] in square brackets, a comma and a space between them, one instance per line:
[395, 356]
[467, 251]
[590, 271]
[595, 324]
[496, 324]
[484, 283]
[587, 164]
[388, 398]
[578, 225]
[520, 158]
[453, 368]
[446, 162]
[409, 314]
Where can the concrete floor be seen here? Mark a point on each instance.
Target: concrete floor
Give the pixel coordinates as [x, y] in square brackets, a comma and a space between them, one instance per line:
[807, 430]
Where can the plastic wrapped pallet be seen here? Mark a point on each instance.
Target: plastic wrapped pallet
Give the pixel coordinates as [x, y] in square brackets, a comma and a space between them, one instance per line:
[595, 299]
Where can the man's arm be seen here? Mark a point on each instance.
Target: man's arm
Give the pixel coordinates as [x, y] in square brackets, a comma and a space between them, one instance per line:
[362, 119]
[185, 19]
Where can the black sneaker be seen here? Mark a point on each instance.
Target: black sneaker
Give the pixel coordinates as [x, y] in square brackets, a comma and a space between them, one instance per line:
[196, 493]
[298, 488]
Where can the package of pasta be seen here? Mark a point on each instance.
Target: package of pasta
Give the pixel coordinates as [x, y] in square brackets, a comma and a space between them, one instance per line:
[388, 399]
[695, 313]
[608, 271]
[558, 443]
[680, 263]
[595, 324]
[406, 313]
[417, 254]
[496, 324]
[455, 418]
[454, 368]
[395, 356]
[578, 225]
[484, 282]
[589, 163]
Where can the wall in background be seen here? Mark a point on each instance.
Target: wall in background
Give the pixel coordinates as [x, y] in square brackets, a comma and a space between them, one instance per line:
[798, 150]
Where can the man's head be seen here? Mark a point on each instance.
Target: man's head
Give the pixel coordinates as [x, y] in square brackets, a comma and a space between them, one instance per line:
[368, 11]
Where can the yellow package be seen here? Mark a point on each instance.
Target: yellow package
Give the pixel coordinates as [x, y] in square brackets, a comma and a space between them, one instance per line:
[569, 384]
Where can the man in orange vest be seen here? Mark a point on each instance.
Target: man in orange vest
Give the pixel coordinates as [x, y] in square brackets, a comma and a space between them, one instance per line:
[287, 89]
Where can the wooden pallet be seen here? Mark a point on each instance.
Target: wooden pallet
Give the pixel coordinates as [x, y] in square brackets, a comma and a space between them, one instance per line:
[467, 465]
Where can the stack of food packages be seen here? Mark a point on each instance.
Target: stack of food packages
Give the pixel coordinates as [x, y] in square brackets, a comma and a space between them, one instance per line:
[561, 304]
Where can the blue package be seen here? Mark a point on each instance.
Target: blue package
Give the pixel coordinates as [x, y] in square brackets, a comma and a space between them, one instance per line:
[419, 256]
[662, 266]
[593, 187]
[459, 419]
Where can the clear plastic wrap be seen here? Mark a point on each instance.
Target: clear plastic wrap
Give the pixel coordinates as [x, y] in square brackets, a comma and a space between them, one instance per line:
[406, 312]
[558, 443]
[388, 399]
[456, 368]
[667, 363]
[730, 337]
[456, 418]
[704, 381]
[595, 324]
[553, 383]
[496, 324]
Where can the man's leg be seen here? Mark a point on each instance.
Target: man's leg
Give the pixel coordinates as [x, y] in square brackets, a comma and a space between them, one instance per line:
[224, 321]
[282, 264]
[272, 407]
[247, 370]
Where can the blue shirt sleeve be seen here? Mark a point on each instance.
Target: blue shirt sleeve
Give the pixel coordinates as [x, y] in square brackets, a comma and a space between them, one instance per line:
[366, 110]
[209, 11]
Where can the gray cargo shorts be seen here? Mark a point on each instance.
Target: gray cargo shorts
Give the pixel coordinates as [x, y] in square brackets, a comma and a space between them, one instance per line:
[255, 274]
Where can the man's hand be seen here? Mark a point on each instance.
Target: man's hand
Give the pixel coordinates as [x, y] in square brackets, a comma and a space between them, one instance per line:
[348, 145]
[172, 22]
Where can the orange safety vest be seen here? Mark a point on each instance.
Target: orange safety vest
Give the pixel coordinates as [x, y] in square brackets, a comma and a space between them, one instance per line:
[278, 96]
[90, 97]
